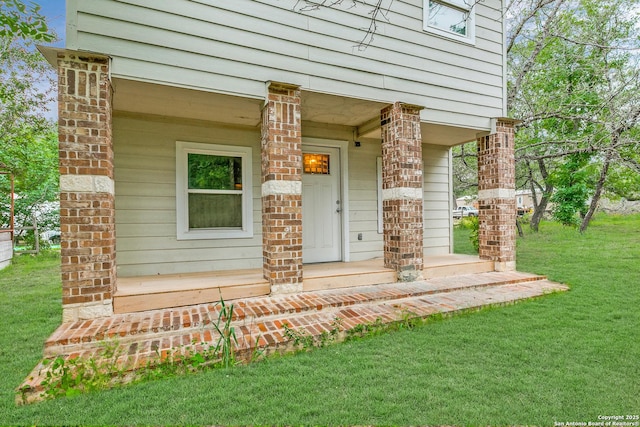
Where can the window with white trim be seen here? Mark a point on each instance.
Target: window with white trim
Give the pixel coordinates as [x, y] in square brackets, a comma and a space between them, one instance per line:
[213, 191]
[454, 19]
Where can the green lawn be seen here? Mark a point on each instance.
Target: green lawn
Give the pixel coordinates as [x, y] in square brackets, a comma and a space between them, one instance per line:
[566, 357]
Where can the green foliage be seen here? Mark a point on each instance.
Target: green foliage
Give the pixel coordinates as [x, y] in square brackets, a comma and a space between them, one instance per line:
[300, 338]
[28, 140]
[461, 241]
[465, 169]
[28, 241]
[507, 366]
[214, 172]
[572, 189]
[75, 376]
[574, 80]
[26, 80]
[34, 161]
[18, 20]
[408, 321]
[71, 377]
[623, 181]
[227, 342]
[471, 223]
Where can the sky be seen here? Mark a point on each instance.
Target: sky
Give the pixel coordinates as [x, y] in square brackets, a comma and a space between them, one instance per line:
[54, 10]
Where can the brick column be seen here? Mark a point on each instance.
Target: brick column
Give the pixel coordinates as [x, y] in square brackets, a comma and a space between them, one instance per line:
[402, 190]
[496, 196]
[87, 222]
[282, 188]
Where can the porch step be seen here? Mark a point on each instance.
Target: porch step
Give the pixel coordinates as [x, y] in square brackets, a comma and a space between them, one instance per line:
[319, 277]
[76, 336]
[139, 294]
[446, 266]
[261, 321]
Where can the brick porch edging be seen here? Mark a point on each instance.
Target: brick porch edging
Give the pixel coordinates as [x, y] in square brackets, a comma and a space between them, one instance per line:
[142, 337]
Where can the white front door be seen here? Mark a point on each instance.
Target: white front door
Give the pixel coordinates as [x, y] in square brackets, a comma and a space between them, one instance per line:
[321, 205]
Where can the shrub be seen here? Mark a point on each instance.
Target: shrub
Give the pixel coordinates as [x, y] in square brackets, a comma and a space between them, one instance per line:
[471, 223]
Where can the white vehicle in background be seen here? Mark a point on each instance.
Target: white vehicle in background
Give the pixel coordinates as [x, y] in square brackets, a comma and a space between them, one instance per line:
[464, 211]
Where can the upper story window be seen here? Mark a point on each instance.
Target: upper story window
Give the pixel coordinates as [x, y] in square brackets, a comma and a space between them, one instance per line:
[213, 191]
[454, 19]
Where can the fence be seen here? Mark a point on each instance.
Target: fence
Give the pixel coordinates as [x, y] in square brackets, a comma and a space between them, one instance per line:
[6, 248]
[36, 235]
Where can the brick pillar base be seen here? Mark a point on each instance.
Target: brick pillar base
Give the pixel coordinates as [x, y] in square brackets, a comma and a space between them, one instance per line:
[496, 196]
[402, 196]
[282, 189]
[87, 213]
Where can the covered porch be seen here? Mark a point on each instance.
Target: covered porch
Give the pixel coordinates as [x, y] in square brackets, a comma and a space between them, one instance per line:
[126, 170]
[135, 294]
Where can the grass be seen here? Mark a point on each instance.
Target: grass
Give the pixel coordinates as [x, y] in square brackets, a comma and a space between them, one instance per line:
[462, 243]
[567, 357]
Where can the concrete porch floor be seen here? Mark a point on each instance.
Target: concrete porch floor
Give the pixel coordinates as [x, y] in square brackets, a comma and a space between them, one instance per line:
[144, 293]
[149, 336]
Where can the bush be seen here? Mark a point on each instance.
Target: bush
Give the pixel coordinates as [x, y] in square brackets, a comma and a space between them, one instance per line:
[467, 222]
[471, 223]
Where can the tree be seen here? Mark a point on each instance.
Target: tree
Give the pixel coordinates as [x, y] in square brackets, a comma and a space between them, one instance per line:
[573, 79]
[28, 142]
[35, 166]
[529, 27]
[623, 179]
[571, 179]
[24, 73]
[465, 169]
[18, 20]
[574, 82]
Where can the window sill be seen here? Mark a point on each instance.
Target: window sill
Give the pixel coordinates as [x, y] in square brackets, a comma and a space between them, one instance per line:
[214, 234]
[470, 40]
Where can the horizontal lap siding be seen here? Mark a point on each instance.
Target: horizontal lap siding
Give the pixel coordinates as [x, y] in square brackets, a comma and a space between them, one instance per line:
[437, 215]
[363, 201]
[6, 248]
[146, 207]
[146, 210]
[235, 46]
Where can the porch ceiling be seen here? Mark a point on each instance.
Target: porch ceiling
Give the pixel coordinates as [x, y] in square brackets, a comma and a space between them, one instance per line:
[363, 115]
[162, 100]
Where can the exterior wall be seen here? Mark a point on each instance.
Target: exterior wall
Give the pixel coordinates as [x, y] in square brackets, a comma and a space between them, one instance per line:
[6, 249]
[145, 197]
[363, 200]
[235, 47]
[146, 204]
[437, 212]
[524, 199]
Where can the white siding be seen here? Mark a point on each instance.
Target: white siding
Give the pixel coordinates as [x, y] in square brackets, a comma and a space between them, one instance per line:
[437, 213]
[146, 207]
[236, 46]
[6, 249]
[363, 198]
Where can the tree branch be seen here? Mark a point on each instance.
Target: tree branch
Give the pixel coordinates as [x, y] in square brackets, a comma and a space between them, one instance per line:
[543, 39]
